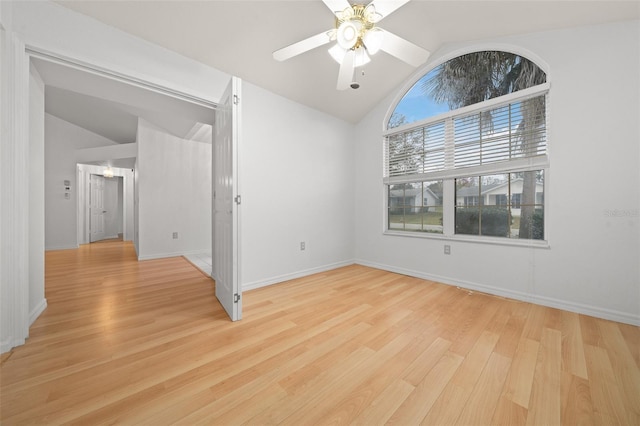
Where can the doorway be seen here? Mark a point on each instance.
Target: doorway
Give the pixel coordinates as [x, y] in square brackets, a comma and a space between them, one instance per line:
[105, 207]
[115, 219]
[53, 73]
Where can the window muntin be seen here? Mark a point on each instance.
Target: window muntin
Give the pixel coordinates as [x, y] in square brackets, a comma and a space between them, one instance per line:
[492, 216]
[489, 132]
[415, 207]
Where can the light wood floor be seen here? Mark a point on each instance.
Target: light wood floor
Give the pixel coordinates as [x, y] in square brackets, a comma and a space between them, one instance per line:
[147, 343]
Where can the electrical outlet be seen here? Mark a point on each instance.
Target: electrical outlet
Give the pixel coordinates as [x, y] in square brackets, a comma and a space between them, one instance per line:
[303, 245]
[175, 235]
[447, 249]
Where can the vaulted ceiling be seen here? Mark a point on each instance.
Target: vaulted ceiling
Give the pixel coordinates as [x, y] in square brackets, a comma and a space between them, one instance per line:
[111, 108]
[238, 37]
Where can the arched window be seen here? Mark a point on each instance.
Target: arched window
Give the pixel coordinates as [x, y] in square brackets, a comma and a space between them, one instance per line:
[466, 150]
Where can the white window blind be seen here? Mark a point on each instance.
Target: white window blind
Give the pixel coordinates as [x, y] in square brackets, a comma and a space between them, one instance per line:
[515, 130]
[416, 151]
[502, 132]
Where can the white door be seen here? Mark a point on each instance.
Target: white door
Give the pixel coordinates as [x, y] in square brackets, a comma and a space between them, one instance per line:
[226, 201]
[112, 207]
[96, 206]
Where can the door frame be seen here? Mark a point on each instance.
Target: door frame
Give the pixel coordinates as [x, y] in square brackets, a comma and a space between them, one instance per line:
[96, 180]
[20, 55]
[82, 179]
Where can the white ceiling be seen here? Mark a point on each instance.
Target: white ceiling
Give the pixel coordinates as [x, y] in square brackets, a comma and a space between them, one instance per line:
[111, 108]
[238, 37]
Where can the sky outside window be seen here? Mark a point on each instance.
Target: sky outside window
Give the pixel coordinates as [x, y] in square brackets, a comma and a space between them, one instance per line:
[417, 105]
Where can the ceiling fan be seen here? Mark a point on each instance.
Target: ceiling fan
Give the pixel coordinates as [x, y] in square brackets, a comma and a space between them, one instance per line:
[357, 37]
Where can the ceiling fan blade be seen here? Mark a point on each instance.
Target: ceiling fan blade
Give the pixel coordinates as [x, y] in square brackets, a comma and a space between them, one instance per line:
[301, 46]
[387, 7]
[403, 49]
[336, 5]
[345, 75]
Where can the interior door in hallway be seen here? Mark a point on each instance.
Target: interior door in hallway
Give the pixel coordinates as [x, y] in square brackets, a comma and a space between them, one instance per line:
[96, 206]
[226, 201]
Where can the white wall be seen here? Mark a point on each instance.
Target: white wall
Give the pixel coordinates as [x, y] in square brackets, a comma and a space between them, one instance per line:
[296, 182]
[62, 139]
[174, 192]
[37, 302]
[592, 187]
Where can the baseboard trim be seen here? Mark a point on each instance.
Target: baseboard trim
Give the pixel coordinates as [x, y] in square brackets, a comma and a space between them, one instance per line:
[35, 312]
[160, 256]
[64, 247]
[299, 274]
[550, 302]
[7, 345]
[165, 255]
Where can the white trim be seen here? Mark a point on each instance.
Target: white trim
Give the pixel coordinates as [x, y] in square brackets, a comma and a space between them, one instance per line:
[172, 254]
[160, 256]
[508, 166]
[35, 312]
[7, 345]
[291, 276]
[40, 53]
[15, 194]
[65, 247]
[551, 302]
[500, 241]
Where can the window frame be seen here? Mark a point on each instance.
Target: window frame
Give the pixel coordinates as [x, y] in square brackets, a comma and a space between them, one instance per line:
[450, 173]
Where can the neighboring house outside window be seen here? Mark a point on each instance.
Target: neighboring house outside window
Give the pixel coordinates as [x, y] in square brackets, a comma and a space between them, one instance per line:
[466, 150]
[501, 199]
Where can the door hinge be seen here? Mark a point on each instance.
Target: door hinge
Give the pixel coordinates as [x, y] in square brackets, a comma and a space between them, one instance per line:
[236, 100]
[238, 200]
[236, 298]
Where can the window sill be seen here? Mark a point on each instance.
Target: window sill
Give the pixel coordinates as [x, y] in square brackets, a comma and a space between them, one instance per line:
[471, 239]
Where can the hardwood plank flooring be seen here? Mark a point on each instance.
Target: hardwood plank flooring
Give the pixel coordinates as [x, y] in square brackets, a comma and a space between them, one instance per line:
[128, 342]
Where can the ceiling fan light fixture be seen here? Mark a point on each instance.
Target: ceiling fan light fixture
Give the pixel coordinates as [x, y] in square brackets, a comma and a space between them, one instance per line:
[373, 40]
[337, 53]
[348, 34]
[345, 14]
[361, 56]
[371, 15]
[356, 37]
